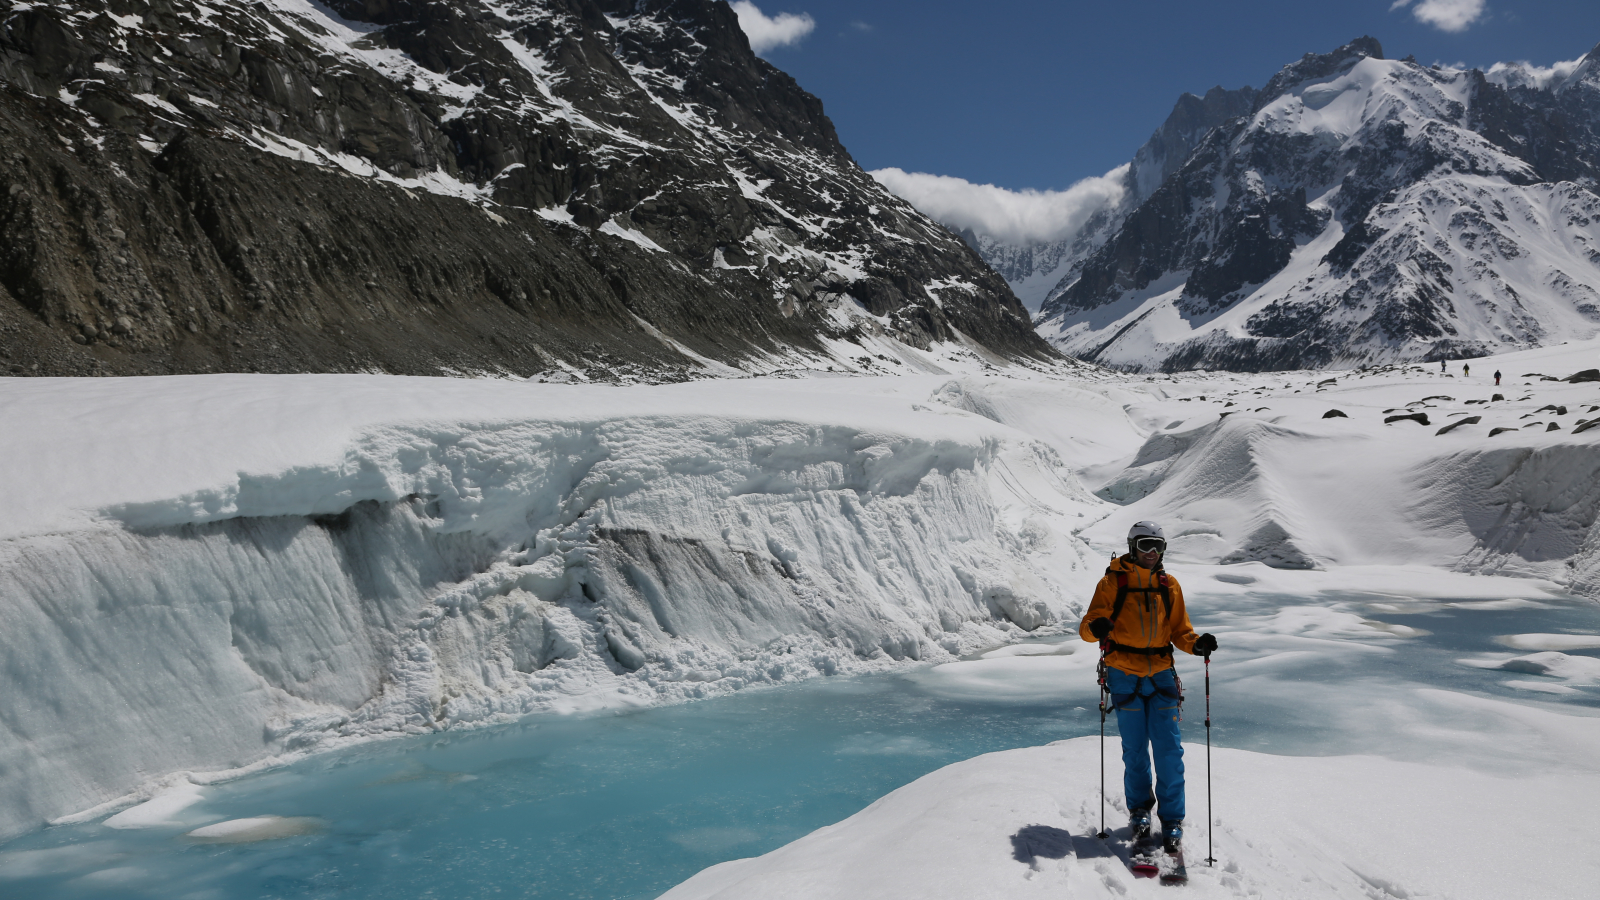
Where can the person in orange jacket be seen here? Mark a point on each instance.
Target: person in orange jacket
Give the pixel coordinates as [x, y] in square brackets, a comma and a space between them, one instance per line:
[1137, 616]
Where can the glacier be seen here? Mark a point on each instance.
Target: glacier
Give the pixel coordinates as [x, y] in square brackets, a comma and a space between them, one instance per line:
[204, 576]
[244, 587]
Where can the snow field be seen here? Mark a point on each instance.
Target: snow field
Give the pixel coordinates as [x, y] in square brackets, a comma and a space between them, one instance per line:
[1248, 469]
[1021, 824]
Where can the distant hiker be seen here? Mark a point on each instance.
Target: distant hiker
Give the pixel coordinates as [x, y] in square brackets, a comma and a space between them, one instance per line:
[1466, 369]
[1441, 367]
[1496, 377]
[1137, 615]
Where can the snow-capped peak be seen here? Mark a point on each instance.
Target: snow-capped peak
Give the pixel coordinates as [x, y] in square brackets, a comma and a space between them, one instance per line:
[1364, 210]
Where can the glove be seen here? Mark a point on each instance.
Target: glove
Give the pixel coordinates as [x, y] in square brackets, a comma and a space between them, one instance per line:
[1100, 628]
[1204, 644]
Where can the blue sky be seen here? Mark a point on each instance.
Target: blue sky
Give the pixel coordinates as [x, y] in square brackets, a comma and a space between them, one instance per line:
[1032, 94]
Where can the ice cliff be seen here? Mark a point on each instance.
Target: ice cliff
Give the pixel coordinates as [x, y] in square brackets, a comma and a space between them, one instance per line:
[508, 553]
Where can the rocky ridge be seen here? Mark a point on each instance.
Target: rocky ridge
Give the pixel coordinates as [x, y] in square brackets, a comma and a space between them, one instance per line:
[573, 188]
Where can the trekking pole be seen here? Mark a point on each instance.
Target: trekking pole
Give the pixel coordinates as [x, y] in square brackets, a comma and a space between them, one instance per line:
[1211, 859]
[1101, 670]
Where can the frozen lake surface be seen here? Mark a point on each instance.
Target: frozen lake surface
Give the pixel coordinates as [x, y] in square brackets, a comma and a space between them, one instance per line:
[627, 804]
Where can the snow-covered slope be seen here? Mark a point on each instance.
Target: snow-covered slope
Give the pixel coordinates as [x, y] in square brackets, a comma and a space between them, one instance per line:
[1361, 210]
[1244, 468]
[1022, 823]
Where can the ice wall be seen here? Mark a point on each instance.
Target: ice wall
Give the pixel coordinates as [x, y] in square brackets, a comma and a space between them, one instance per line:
[442, 575]
[1530, 510]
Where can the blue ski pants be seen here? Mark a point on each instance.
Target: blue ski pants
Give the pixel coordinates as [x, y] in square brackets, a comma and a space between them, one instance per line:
[1147, 716]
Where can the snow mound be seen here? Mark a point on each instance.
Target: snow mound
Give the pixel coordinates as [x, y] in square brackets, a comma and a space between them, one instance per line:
[255, 828]
[161, 810]
[1552, 641]
[1576, 669]
[1022, 824]
[1243, 469]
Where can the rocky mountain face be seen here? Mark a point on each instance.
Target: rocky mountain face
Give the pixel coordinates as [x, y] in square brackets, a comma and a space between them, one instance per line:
[1040, 271]
[1031, 269]
[580, 188]
[1354, 210]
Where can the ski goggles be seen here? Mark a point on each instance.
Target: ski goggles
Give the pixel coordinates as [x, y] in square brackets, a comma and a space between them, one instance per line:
[1147, 544]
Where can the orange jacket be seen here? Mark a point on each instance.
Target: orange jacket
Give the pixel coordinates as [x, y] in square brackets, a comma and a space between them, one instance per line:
[1144, 620]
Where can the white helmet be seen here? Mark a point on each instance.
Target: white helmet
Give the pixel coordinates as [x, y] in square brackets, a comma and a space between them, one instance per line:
[1146, 530]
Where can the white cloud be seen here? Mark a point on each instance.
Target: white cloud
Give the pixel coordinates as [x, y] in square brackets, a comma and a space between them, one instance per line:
[766, 32]
[1445, 15]
[1529, 75]
[1014, 217]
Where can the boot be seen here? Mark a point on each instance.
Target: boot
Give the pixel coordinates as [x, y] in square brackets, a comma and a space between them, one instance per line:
[1172, 836]
[1138, 825]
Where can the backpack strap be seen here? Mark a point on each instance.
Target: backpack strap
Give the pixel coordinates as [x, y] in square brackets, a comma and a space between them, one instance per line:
[1122, 593]
[1164, 588]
